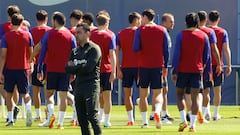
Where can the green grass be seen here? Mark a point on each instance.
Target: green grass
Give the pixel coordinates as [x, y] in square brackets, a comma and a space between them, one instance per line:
[228, 125]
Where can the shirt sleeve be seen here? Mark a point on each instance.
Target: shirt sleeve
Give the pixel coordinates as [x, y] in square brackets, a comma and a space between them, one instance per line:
[212, 38]
[74, 42]
[44, 43]
[3, 42]
[1, 31]
[206, 51]
[113, 43]
[225, 37]
[167, 44]
[137, 41]
[118, 40]
[177, 53]
[31, 43]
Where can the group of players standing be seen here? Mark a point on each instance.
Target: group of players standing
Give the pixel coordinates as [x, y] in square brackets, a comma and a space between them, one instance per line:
[145, 46]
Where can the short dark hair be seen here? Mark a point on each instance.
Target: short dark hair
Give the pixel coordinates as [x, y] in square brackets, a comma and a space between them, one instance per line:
[88, 16]
[165, 16]
[17, 19]
[85, 26]
[41, 15]
[213, 15]
[192, 20]
[102, 20]
[103, 12]
[150, 13]
[132, 16]
[59, 17]
[77, 14]
[13, 9]
[202, 15]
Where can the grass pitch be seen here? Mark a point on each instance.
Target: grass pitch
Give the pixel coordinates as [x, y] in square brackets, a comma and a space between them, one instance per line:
[228, 125]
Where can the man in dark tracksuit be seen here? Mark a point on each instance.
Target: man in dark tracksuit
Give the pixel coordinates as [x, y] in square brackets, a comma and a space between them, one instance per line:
[84, 62]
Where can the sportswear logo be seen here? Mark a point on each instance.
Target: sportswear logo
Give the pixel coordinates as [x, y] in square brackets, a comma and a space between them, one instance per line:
[47, 2]
[76, 62]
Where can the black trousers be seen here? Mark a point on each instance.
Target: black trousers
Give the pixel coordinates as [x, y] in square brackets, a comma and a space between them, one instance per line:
[86, 102]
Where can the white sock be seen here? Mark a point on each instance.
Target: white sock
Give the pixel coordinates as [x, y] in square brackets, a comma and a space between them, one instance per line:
[216, 109]
[130, 115]
[193, 120]
[38, 113]
[28, 106]
[165, 112]
[74, 117]
[190, 113]
[10, 116]
[50, 110]
[106, 118]
[158, 108]
[204, 110]
[152, 114]
[61, 118]
[208, 109]
[101, 112]
[144, 118]
[183, 116]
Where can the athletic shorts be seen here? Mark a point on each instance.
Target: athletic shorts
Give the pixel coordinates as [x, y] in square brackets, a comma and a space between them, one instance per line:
[104, 81]
[129, 76]
[207, 83]
[57, 81]
[188, 90]
[16, 77]
[191, 80]
[35, 80]
[150, 77]
[218, 80]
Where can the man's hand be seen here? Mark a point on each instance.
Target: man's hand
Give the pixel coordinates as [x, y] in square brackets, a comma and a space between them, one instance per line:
[119, 74]
[164, 72]
[228, 71]
[70, 63]
[174, 78]
[112, 77]
[1, 78]
[40, 76]
[219, 70]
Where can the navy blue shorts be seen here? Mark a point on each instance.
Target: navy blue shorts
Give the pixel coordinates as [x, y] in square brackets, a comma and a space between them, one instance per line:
[218, 80]
[150, 77]
[129, 76]
[57, 81]
[188, 90]
[207, 83]
[104, 81]
[16, 77]
[35, 80]
[192, 80]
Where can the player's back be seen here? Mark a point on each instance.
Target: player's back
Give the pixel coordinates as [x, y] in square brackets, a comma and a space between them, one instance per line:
[59, 46]
[125, 41]
[152, 46]
[38, 32]
[104, 40]
[18, 49]
[192, 51]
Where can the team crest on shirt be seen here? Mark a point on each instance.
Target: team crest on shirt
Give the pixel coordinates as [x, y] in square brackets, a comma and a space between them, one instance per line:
[74, 51]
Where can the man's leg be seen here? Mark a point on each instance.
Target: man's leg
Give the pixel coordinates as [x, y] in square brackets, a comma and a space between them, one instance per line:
[37, 102]
[216, 101]
[181, 109]
[143, 105]
[107, 99]
[195, 106]
[158, 100]
[128, 104]
[50, 107]
[28, 103]
[62, 109]
[9, 102]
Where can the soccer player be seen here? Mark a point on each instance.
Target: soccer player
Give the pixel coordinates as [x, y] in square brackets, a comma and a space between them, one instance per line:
[88, 18]
[37, 34]
[16, 54]
[168, 23]
[128, 70]
[85, 63]
[107, 42]
[151, 41]
[57, 43]
[4, 28]
[223, 47]
[75, 18]
[191, 54]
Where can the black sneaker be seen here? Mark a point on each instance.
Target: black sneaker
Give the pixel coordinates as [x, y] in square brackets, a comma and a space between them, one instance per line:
[151, 117]
[10, 123]
[15, 113]
[169, 117]
[188, 117]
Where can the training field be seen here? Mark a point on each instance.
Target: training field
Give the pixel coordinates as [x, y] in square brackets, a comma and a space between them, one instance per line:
[228, 125]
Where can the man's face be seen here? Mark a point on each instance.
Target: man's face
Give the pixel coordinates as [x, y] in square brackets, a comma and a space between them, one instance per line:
[138, 22]
[144, 20]
[81, 35]
[169, 23]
